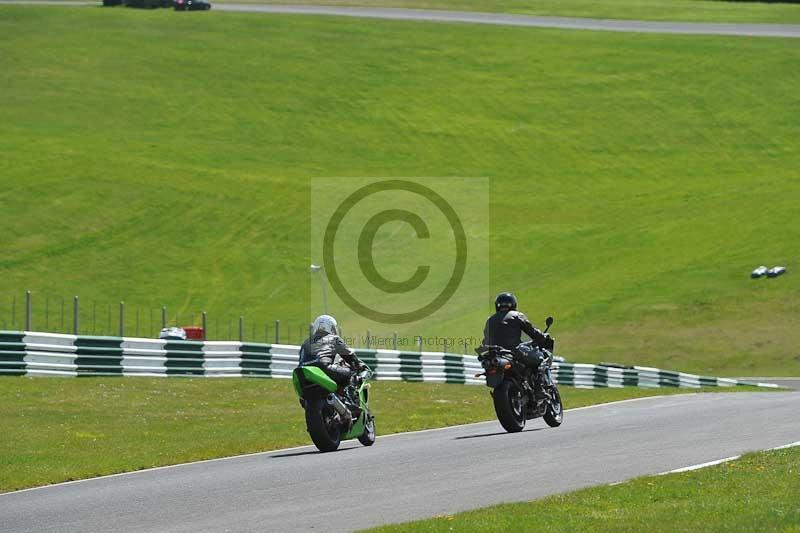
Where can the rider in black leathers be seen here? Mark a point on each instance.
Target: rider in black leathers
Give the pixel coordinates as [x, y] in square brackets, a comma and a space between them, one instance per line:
[322, 348]
[505, 328]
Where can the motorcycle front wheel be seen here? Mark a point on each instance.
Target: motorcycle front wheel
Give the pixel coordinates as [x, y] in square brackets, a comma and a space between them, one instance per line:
[322, 426]
[368, 437]
[554, 414]
[508, 405]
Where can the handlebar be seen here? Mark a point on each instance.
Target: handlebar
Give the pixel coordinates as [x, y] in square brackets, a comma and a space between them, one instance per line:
[365, 374]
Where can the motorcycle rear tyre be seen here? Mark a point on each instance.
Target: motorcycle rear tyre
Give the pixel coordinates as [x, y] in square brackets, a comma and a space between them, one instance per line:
[325, 439]
[512, 420]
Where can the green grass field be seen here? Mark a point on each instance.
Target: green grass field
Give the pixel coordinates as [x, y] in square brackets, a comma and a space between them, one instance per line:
[635, 179]
[61, 429]
[676, 10]
[760, 490]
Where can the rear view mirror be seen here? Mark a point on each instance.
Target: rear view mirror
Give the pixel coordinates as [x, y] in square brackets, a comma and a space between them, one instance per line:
[548, 321]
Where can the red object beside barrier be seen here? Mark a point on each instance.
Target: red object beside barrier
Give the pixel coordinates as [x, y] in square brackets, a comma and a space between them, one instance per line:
[194, 333]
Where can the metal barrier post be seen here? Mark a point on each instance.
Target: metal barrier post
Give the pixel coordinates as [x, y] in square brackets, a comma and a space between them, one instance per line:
[241, 329]
[277, 332]
[163, 317]
[394, 341]
[75, 315]
[28, 317]
[205, 325]
[122, 319]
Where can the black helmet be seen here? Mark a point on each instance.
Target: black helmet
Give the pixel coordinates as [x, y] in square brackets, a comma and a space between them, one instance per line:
[505, 300]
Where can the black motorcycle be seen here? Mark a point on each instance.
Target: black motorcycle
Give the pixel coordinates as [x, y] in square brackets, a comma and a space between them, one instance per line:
[511, 378]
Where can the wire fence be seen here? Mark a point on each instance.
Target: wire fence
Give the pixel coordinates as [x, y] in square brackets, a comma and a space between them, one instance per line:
[72, 315]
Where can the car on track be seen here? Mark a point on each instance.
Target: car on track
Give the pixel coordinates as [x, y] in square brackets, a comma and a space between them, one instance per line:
[192, 5]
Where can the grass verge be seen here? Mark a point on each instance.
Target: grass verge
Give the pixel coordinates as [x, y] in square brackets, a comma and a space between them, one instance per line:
[60, 429]
[755, 493]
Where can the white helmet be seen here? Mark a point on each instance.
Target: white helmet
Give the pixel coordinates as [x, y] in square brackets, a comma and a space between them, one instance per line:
[325, 324]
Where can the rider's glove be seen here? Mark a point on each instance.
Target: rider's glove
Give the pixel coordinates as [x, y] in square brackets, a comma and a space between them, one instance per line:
[549, 342]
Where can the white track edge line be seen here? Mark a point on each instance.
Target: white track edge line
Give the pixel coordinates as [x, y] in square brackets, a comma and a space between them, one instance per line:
[281, 450]
[725, 460]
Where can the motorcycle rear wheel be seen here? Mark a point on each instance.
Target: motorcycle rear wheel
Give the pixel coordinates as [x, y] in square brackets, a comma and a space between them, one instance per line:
[508, 406]
[554, 414]
[322, 427]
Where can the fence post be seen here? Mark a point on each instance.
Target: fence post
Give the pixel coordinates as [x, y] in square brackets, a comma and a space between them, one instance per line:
[47, 312]
[369, 339]
[394, 341]
[241, 329]
[419, 343]
[277, 332]
[137, 320]
[62, 314]
[465, 347]
[205, 325]
[28, 317]
[75, 315]
[310, 330]
[163, 317]
[13, 311]
[444, 349]
[122, 319]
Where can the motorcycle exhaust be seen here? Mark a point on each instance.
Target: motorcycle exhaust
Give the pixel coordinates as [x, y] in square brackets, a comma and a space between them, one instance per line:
[339, 407]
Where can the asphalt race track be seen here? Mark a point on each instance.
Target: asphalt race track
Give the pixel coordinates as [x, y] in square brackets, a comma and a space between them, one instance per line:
[692, 28]
[415, 475]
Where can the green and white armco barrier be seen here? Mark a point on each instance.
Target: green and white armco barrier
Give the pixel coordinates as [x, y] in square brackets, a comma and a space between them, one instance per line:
[25, 353]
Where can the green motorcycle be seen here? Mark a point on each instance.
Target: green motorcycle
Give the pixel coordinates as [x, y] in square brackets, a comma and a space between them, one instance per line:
[332, 417]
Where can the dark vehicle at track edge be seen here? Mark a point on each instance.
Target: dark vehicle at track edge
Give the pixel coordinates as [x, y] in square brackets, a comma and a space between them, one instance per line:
[510, 380]
[192, 5]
